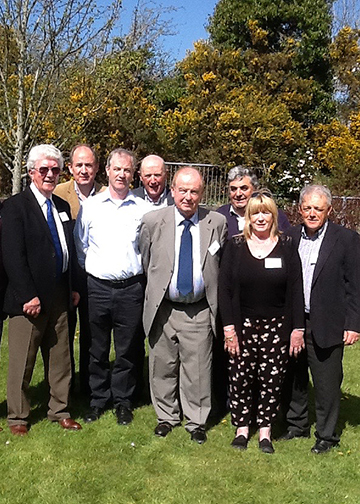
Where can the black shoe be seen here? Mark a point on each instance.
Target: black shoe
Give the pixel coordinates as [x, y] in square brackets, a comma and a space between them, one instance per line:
[240, 442]
[199, 435]
[163, 429]
[93, 415]
[124, 415]
[293, 435]
[266, 446]
[323, 446]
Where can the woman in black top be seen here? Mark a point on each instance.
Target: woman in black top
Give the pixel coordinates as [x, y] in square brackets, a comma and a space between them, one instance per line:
[262, 310]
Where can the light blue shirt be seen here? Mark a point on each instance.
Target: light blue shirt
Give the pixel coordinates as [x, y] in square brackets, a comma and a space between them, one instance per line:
[309, 248]
[198, 280]
[106, 235]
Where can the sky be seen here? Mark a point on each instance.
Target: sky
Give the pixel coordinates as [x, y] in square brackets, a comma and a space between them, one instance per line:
[189, 20]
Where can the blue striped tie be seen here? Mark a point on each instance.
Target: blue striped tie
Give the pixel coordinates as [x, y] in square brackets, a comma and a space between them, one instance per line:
[55, 239]
[185, 271]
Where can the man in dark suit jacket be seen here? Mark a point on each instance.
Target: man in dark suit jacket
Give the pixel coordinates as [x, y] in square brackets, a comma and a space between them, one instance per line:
[242, 183]
[180, 322]
[153, 177]
[37, 253]
[3, 281]
[330, 256]
[83, 165]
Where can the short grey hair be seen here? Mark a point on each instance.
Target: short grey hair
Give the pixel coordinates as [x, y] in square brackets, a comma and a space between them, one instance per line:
[318, 189]
[44, 151]
[121, 152]
[239, 172]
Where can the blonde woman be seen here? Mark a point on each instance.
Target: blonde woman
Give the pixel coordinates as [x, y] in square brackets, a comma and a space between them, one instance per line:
[262, 311]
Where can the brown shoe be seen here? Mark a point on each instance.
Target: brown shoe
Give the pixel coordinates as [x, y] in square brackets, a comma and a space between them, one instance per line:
[69, 424]
[18, 430]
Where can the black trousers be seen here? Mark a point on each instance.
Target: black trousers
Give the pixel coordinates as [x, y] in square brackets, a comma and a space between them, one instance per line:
[326, 370]
[84, 335]
[118, 309]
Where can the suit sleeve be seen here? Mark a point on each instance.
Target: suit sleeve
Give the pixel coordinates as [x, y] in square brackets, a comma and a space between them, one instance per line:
[15, 253]
[144, 244]
[352, 284]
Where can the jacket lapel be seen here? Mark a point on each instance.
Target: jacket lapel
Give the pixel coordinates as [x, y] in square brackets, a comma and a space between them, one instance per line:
[206, 233]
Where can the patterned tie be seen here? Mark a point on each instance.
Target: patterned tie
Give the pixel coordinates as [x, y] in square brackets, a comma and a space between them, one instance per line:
[55, 238]
[185, 272]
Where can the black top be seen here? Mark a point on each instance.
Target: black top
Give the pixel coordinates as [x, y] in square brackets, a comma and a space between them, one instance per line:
[264, 288]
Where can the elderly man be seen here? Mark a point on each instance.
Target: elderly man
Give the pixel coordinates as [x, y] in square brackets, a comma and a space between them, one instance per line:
[330, 256]
[180, 247]
[153, 177]
[242, 183]
[37, 254]
[83, 165]
[106, 238]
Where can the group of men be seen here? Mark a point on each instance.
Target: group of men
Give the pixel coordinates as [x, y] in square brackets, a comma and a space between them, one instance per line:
[145, 262]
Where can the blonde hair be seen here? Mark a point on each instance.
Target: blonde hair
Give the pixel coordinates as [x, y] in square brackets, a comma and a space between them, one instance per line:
[261, 201]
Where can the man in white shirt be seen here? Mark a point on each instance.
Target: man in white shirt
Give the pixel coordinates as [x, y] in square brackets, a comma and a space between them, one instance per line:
[106, 239]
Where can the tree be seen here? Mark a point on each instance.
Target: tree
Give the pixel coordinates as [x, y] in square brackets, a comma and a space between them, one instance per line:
[44, 42]
[306, 24]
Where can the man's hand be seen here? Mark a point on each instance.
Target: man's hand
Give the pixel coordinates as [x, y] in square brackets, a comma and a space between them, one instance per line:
[350, 337]
[75, 298]
[32, 308]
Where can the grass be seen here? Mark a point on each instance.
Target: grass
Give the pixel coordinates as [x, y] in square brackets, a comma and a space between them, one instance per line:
[105, 463]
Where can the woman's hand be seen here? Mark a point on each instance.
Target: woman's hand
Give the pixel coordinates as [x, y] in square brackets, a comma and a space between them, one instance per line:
[297, 342]
[231, 340]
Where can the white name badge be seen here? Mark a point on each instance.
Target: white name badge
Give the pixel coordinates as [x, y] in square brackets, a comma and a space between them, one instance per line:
[273, 262]
[63, 216]
[214, 247]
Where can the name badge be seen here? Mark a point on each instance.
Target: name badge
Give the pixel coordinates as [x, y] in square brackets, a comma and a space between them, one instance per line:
[273, 262]
[214, 247]
[64, 217]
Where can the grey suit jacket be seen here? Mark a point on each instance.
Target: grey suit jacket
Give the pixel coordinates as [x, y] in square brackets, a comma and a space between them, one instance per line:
[156, 243]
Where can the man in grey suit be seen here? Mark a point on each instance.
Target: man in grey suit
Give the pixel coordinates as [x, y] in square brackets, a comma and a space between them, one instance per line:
[180, 248]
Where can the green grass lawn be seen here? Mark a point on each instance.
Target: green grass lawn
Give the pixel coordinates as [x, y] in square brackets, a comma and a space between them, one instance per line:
[105, 463]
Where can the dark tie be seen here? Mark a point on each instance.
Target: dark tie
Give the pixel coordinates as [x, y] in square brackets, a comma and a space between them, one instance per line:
[185, 272]
[55, 238]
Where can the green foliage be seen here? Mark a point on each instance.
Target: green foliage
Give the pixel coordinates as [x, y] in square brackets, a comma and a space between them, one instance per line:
[306, 25]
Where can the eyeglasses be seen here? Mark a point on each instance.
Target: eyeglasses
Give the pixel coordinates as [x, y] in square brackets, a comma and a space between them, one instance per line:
[262, 192]
[43, 170]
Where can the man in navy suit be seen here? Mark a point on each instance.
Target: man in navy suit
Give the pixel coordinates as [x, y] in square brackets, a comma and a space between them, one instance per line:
[37, 254]
[330, 256]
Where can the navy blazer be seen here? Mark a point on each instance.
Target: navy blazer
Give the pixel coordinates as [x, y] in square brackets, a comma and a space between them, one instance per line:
[335, 290]
[233, 228]
[140, 191]
[29, 254]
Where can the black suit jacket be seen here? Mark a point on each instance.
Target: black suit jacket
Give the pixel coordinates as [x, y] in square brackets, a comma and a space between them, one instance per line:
[335, 291]
[140, 191]
[28, 252]
[3, 277]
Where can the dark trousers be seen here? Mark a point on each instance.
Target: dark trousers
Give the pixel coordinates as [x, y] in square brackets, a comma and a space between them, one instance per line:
[113, 307]
[326, 370]
[84, 341]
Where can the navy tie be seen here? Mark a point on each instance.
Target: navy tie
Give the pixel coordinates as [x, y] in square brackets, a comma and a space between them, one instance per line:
[185, 272]
[55, 239]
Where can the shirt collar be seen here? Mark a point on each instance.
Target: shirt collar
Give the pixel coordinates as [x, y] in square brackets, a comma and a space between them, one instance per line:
[79, 194]
[160, 201]
[40, 198]
[319, 233]
[179, 218]
[106, 196]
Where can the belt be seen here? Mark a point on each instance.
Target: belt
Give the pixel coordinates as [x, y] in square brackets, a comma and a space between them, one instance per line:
[120, 284]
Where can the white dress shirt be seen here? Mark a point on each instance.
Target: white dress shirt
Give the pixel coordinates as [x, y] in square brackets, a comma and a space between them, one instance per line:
[106, 235]
[198, 281]
[239, 218]
[41, 199]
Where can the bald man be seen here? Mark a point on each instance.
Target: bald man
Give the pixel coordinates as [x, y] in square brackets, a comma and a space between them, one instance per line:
[153, 177]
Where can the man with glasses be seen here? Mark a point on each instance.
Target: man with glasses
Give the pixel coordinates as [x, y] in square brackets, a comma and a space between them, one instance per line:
[153, 177]
[37, 255]
[242, 183]
[330, 257]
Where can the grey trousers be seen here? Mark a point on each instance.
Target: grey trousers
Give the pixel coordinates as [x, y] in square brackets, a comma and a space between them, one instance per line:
[180, 359]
